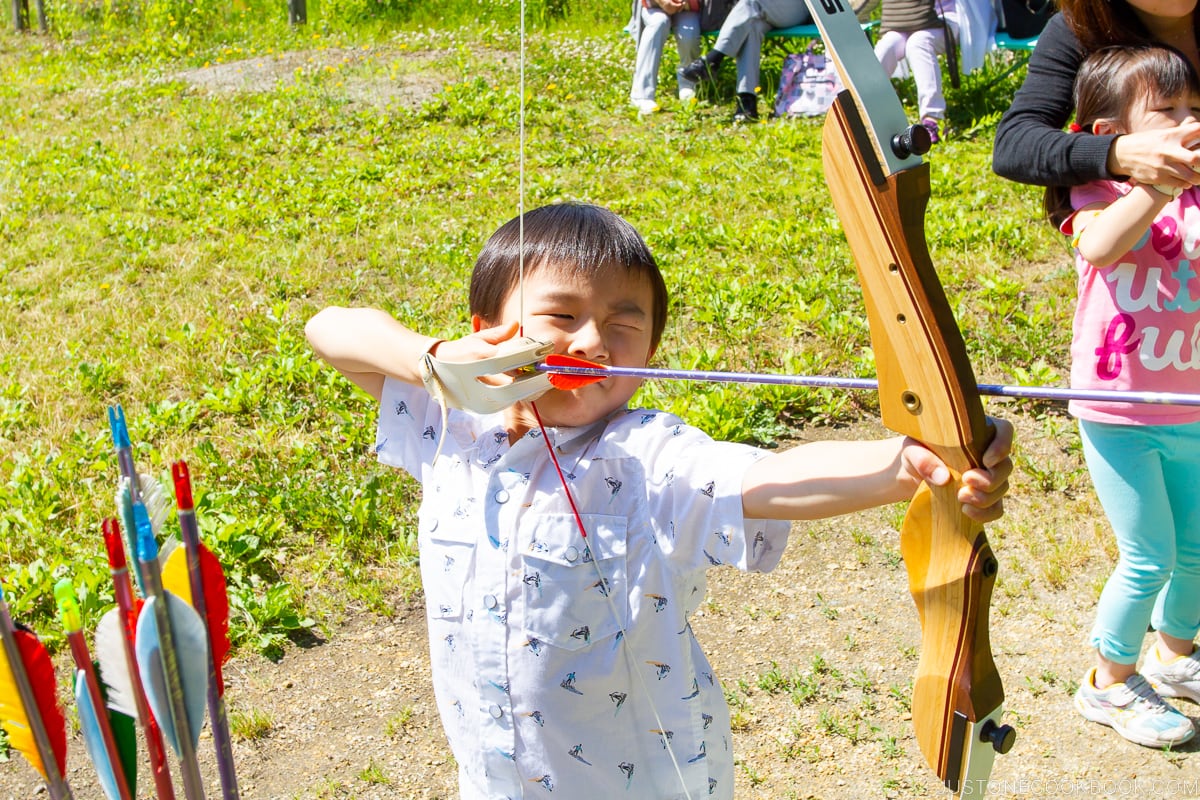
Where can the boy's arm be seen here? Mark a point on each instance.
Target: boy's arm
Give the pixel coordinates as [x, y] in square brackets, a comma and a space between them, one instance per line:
[1105, 233]
[366, 345]
[825, 479]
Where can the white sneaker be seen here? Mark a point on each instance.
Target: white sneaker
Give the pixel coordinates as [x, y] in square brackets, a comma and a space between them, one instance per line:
[1179, 677]
[686, 94]
[1133, 710]
[645, 106]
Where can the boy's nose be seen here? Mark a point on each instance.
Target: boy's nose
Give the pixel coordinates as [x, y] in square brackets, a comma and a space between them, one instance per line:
[586, 342]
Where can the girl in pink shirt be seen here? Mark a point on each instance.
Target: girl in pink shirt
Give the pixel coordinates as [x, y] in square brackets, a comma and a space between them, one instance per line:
[1137, 327]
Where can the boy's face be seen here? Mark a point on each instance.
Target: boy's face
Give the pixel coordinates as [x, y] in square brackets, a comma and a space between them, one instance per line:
[607, 319]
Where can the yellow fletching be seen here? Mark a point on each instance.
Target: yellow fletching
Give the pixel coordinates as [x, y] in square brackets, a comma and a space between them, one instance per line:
[13, 719]
[175, 575]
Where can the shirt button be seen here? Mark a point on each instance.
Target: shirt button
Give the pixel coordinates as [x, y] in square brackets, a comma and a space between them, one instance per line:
[489, 601]
[496, 711]
[501, 496]
[572, 554]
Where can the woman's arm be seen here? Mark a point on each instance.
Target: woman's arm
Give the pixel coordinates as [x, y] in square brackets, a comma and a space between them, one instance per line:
[1031, 145]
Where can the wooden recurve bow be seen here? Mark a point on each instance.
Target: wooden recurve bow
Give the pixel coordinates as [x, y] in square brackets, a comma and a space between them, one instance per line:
[880, 188]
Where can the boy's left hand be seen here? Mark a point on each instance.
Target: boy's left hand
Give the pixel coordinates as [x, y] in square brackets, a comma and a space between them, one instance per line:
[982, 489]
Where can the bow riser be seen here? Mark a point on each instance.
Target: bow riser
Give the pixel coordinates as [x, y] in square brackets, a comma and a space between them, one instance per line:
[926, 382]
[927, 391]
[951, 574]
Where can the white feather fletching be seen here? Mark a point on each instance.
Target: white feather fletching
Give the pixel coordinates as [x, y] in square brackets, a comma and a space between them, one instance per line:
[157, 500]
[114, 665]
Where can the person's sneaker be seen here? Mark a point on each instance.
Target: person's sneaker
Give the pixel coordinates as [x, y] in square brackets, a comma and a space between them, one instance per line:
[1133, 710]
[697, 71]
[930, 124]
[1179, 677]
[645, 106]
[747, 108]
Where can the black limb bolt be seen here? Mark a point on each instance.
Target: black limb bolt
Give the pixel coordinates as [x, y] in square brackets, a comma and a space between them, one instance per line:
[1002, 737]
[914, 141]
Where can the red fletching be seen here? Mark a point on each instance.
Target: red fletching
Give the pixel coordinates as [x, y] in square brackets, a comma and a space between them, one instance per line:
[40, 670]
[216, 607]
[569, 382]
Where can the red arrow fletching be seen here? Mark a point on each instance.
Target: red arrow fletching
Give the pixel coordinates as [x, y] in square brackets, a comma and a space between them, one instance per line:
[569, 382]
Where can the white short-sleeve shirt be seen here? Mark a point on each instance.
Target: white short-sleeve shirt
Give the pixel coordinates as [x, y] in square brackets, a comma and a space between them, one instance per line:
[547, 640]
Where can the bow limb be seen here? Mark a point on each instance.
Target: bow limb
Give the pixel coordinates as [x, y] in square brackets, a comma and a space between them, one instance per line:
[927, 390]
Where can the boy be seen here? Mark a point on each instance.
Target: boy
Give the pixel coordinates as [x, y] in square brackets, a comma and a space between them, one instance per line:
[561, 563]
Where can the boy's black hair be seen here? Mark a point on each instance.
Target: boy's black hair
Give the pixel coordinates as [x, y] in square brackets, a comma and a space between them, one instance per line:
[580, 239]
[1108, 84]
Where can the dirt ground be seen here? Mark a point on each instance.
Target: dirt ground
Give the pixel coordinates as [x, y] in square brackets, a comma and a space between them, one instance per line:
[352, 715]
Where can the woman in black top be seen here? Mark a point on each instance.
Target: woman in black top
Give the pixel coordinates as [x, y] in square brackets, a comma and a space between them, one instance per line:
[1031, 146]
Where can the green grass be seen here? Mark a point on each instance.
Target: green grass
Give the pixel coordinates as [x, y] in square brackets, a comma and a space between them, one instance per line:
[163, 244]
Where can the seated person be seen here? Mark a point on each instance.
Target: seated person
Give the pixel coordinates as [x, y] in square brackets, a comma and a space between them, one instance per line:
[918, 31]
[742, 36]
[649, 25]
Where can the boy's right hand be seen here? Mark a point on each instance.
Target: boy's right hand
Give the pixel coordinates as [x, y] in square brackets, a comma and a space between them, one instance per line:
[482, 344]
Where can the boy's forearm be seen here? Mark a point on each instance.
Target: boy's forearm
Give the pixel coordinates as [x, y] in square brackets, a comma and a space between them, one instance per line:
[826, 479]
[1115, 231]
[366, 345]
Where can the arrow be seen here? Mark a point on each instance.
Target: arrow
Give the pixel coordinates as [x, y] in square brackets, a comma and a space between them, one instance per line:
[118, 662]
[29, 710]
[194, 573]
[113, 766]
[568, 372]
[172, 652]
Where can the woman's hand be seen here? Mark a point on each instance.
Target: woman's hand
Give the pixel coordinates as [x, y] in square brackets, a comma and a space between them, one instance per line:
[1158, 157]
[983, 489]
[671, 6]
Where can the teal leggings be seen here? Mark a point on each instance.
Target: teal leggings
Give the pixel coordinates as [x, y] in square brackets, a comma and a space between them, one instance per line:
[1148, 480]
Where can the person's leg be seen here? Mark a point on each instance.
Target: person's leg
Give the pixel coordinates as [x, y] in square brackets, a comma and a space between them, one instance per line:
[771, 14]
[687, 41]
[737, 27]
[730, 39]
[1125, 463]
[749, 57]
[785, 13]
[1172, 664]
[656, 24]
[1126, 468]
[922, 51]
[889, 50]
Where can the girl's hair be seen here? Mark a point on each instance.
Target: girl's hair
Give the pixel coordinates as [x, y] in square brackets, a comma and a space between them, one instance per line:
[1110, 83]
[580, 240]
[1107, 23]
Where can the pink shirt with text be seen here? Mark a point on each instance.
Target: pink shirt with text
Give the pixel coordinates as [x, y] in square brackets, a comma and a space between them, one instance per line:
[1137, 323]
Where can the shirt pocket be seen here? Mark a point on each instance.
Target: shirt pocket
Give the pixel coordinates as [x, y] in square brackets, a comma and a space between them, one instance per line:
[447, 551]
[575, 589]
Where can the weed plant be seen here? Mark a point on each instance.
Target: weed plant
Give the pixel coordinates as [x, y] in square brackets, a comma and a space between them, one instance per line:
[182, 184]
